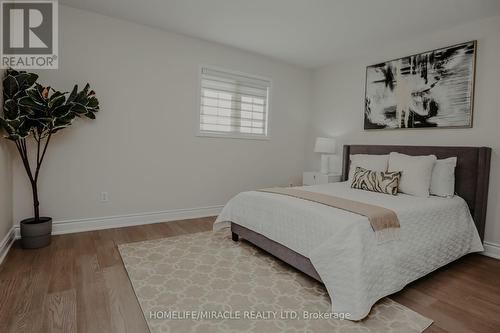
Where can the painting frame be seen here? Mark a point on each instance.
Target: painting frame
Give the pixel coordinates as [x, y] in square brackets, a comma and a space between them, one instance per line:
[470, 103]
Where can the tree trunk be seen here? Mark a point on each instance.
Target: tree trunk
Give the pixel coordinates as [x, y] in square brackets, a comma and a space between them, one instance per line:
[36, 203]
[23, 152]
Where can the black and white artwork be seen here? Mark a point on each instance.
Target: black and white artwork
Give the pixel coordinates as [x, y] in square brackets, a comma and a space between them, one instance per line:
[430, 89]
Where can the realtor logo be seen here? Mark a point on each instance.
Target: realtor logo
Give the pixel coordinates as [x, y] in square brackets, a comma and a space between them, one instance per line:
[29, 34]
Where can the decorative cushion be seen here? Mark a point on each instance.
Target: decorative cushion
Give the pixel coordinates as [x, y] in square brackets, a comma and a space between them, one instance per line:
[443, 177]
[369, 162]
[376, 181]
[416, 172]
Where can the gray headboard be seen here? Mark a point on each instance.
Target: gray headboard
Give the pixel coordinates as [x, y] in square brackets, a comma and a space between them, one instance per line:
[471, 174]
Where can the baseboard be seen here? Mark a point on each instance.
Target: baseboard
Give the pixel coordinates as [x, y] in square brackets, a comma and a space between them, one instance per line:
[71, 226]
[6, 243]
[491, 250]
[99, 223]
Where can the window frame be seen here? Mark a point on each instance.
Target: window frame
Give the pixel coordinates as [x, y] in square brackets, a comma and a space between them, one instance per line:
[232, 135]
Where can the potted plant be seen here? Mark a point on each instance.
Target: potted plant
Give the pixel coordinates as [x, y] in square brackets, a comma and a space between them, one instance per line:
[32, 113]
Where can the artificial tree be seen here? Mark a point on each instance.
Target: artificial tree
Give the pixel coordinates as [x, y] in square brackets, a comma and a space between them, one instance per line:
[35, 112]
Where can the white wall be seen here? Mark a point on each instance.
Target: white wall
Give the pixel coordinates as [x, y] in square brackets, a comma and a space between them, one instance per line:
[5, 180]
[5, 189]
[338, 95]
[142, 148]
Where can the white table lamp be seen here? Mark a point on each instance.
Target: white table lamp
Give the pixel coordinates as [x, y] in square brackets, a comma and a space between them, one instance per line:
[327, 147]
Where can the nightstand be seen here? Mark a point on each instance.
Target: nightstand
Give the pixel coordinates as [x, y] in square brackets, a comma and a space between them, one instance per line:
[315, 178]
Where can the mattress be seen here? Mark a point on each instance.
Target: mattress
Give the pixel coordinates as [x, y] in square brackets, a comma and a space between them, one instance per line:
[356, 269]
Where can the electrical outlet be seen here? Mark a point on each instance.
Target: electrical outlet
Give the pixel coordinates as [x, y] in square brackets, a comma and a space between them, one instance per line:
[104, 197]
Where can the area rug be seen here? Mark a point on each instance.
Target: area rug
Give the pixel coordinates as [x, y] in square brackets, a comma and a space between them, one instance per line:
[205, 282]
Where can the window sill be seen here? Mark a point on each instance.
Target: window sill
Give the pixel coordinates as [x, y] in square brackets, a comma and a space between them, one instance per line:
[233, 136]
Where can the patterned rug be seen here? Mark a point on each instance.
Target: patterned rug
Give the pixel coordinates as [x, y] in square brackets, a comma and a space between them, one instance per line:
[205, 282]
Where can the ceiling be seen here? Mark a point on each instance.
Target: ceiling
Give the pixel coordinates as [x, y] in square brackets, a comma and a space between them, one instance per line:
[309, 33]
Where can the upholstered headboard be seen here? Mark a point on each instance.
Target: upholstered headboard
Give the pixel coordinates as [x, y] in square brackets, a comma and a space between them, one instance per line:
[471, 174]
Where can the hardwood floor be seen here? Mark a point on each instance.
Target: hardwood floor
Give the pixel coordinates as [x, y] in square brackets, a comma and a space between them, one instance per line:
[79, 284]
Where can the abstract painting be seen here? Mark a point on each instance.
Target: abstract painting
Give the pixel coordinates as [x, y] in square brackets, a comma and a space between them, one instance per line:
[430, 89]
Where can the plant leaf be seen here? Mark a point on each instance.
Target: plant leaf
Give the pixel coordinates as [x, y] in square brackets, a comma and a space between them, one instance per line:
[28, 102]
[79, 108]
[34, 93]
[41, 122]
[9, 130]
[90, 115]
[73, 94]
[61, 111]
[11, 109]
[26, 80]
[10, 86]
[13, 72]
[57, 101]
[56, 94]
[32, 77]
[93, 102]
[65, 120]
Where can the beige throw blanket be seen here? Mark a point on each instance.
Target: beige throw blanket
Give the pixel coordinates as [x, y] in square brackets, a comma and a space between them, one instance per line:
[380, 218]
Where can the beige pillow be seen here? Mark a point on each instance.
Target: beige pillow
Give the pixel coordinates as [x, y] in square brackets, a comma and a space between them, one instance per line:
[416, 172]
[369, 162]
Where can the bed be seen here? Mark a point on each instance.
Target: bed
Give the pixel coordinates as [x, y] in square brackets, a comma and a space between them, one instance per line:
[338, 248]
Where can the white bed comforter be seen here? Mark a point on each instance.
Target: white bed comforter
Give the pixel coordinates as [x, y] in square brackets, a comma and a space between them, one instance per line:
[356, 270]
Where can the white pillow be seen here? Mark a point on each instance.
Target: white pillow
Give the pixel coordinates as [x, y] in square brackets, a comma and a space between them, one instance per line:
[443, 177]
[369, 162]
[416, 172]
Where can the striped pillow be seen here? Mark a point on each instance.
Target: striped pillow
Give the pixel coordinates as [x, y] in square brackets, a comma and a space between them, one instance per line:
[376, 181]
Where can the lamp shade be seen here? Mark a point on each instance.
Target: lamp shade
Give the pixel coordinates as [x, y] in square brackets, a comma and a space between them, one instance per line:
[325, 146]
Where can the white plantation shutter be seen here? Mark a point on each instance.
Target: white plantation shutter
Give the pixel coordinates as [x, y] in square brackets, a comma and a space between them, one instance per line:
[233, 105]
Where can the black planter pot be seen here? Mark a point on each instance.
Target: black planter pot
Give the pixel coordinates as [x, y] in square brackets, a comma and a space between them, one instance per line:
[35, 235]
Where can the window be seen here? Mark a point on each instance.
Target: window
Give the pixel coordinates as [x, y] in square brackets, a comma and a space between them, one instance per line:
[233, 104]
